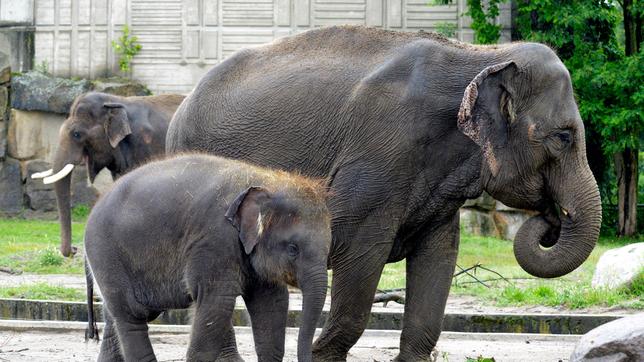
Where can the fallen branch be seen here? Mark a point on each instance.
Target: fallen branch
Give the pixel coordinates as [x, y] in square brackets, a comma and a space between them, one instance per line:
[386, 297]
[8, 270]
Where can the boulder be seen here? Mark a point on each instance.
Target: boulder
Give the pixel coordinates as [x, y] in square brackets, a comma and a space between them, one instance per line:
[4, 101]
[33, 134]
[618, 267]
[475, 222]
[120, 87]
[509, 222]
[484, 202]
[41, 197]
[10, 187]
[621, 340]
[5, 68]
[35, 91]
[3, 140]
[503, 207]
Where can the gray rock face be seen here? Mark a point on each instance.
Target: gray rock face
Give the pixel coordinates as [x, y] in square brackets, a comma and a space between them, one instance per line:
[5, 68]
[475, 222]
[10, 187]
[621, 340]
[120, 87]
[484, 202]
[34, 91]
[41, 197]
[618, 267]
[3, 140]
[4, 101]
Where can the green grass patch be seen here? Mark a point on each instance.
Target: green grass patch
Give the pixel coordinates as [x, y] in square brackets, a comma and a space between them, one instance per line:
[31, 246]
[42, 291]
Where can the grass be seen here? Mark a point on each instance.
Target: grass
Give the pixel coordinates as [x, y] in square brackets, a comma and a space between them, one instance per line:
[32, 247]
[42, 291]
[572, 291]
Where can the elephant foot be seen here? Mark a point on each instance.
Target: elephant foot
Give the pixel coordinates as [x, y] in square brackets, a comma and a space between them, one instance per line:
[320, 355]
[232, 357]
[69, 253]
[433, 357]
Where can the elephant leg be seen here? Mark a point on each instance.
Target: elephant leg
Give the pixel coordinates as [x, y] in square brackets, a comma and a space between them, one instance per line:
[110, 349]
[134, 338]
[229, 351]
[430, 267]
[211, 328]
[268, 307]
[356, 272]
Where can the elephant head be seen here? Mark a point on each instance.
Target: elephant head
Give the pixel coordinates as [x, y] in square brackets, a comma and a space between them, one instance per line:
[100, 132]
[523, 115]
[287, 241]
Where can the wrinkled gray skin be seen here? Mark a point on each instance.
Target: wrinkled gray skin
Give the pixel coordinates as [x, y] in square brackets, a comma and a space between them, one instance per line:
[200, 230]
[386, 118]
[107, 131]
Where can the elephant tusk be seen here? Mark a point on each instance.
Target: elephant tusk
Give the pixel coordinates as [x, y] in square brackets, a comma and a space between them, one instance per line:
[565, 212]
[60, 175]
[42, 174]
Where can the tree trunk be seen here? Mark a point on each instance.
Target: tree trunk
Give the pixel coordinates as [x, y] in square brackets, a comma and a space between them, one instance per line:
[626, 168]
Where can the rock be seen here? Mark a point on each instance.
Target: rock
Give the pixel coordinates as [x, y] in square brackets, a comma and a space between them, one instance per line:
[5, 68]
[477, 223]
[10, 187]
[35, 91]
[121, 87]
[503, 207]
[33, 134]
[3, 140]
[621, 340]
[509, 222]
[83, 193]
[4, 101]
[618, 267]
[484, 202]
[39, 196]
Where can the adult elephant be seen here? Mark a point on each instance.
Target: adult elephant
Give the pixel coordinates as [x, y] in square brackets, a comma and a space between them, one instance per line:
[106, 131]
[405, 127]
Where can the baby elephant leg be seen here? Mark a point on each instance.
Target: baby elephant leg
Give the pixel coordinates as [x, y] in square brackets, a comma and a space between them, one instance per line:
[134, 339]
[212, 328]
[268, 308]
[110, 350]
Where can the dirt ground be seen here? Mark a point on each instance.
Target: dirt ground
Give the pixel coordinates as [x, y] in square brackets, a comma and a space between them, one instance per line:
[56, 341]
[455, 304]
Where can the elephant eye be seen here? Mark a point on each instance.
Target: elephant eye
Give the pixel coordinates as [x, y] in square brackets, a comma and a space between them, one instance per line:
[76, 135]
[292, 250]
[565, 137]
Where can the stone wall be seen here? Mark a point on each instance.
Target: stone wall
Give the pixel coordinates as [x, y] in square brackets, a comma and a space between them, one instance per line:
[487, 217]
[33, 106]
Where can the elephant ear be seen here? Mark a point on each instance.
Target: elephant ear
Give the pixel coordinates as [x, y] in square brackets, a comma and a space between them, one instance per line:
[117, 126]
[245, 214]
[487, 110]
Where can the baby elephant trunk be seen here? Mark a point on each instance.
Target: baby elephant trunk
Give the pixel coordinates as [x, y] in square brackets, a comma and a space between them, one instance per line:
[314, 285]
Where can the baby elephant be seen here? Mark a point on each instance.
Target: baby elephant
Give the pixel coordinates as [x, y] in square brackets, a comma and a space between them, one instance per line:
[201, 230]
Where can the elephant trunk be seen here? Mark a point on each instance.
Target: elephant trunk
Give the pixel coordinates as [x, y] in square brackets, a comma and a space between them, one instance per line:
[556, 242]
[314, 286]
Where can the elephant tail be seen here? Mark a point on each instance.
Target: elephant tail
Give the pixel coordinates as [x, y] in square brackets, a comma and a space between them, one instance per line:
[92, 330]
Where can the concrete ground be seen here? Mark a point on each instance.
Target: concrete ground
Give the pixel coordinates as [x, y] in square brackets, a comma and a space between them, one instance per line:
[63, 341]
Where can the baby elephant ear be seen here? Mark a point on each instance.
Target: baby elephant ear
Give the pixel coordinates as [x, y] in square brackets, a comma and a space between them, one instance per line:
[245, 214]
[117, 126]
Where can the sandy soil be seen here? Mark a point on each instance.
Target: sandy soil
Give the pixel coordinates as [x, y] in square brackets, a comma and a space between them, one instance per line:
[64, 342]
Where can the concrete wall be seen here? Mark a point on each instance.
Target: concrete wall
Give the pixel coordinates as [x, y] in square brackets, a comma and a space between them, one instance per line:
[182, 39]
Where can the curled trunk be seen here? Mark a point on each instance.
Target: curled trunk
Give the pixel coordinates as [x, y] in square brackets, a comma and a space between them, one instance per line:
[555, 243]
[314, 286]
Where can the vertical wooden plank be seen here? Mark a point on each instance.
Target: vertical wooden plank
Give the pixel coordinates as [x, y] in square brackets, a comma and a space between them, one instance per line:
[209, 44]
[99, 12]
[191, 12]
[45, 12]
[302, 12]
[374, 12]
[394, 13]
[119, 13]
[84, 7]
[210, 13]
[283, 10]
[192, 44]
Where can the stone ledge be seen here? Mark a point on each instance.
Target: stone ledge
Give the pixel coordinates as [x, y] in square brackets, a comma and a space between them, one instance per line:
[563, 324]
